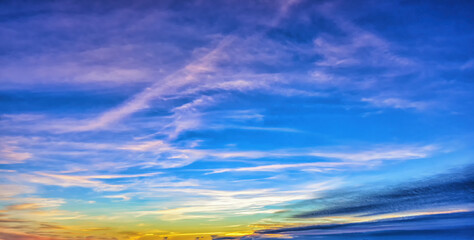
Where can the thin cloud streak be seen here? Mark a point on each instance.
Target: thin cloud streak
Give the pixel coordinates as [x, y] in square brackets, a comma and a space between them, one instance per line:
[356, 159]
[172, 83]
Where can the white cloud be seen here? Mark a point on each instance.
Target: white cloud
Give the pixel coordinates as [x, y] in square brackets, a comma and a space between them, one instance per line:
[345, 159]
[398, 103]
[188, 117]
[171, 84]
[63, 180]
[245, 202]
[12, 190]
[10, 153]
[322, 166]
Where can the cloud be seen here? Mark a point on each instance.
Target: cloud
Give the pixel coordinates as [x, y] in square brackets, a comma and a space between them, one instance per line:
[160, 153]
[408, 209]
[22, 236]
[23, 206]
[253, 128]
[187, 117]
[147, 146]
[453, 189]
[10, 154]
[278, 167]
[453, 224]
[205, 71]
[397, 103]
[389, 153]
[354, 53]
[173, 157]
[11, 190]
[124, 197]
[361, 47]
[218, 202]
[40, 202]
[349, 159]
[172, 83]
[81, 181]
[357, 49]
[354, 58]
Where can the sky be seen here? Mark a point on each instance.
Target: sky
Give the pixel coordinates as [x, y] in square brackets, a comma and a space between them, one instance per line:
[237, 120]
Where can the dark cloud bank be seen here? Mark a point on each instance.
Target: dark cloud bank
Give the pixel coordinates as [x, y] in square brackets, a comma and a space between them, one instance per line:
[450, 189]
[453, 190]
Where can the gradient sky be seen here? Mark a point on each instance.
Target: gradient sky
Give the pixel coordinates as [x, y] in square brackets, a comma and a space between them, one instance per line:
[147, 120]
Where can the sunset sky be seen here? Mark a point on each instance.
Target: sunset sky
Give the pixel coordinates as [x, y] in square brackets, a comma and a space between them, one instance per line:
[251, 120]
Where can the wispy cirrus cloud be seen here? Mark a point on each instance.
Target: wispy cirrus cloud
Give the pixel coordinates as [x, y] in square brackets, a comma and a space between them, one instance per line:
[397, 103]
[240, 202]
[82, 181]
[346, 159]
[10, 152]
[12, 190]
[162, 154]
[187, 117]
[171, 83]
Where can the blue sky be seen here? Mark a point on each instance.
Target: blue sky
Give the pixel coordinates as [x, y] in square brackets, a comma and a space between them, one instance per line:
[235, 119]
